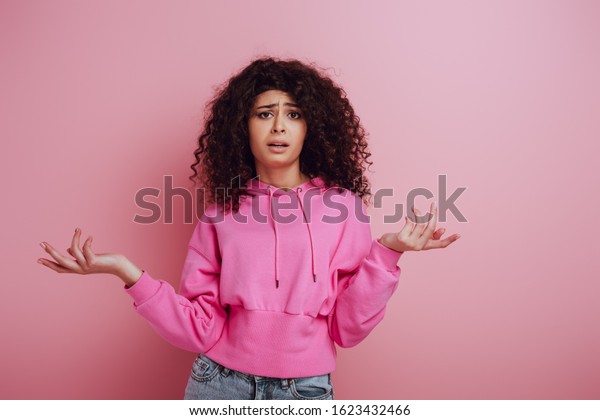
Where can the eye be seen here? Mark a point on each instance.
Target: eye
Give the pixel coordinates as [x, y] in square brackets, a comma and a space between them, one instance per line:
[295, 115]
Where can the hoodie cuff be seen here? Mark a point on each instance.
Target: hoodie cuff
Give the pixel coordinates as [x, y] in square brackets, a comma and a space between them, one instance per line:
[143, 289]
[384, 256]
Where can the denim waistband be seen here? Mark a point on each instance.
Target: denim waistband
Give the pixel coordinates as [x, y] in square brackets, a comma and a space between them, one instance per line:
[225, 371]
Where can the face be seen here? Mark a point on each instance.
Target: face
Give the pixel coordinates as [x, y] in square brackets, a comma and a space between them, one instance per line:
[275, 119]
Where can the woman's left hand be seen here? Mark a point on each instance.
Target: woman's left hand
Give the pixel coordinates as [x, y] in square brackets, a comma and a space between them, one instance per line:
[418, 236]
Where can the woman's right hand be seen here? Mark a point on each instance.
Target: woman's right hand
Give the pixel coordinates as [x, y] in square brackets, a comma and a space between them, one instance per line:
[87, 262]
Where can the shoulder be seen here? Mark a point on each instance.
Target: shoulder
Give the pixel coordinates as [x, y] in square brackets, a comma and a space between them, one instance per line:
[212, 214]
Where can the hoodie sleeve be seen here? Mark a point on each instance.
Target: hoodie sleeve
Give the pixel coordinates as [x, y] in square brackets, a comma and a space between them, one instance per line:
[367, 276]
[193, 319]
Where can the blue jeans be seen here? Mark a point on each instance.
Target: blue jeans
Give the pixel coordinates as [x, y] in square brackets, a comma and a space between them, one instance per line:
[212, 381]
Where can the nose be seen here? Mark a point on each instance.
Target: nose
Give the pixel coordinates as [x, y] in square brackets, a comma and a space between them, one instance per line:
[278, 125]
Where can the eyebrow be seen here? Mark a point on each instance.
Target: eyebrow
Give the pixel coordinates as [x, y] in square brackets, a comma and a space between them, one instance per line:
[272, 105]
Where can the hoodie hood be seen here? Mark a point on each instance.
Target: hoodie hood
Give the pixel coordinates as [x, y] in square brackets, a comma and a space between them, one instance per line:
[255, 187]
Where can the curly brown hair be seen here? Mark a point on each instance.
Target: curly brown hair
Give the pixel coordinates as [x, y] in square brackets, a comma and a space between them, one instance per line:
[335, 147]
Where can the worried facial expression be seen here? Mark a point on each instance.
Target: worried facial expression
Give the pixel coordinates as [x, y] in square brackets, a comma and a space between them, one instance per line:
[277, 129]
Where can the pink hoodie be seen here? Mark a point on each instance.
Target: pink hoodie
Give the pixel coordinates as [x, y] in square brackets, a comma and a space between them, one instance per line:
[270, 295]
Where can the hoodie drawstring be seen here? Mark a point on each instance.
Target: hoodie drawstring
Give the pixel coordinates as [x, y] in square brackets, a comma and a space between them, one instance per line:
[276, 240]
[312, 248]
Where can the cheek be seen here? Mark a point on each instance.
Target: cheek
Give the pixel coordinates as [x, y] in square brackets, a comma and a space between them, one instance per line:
[253, 134]
[258, 129]
[302, 135]
[304, 129]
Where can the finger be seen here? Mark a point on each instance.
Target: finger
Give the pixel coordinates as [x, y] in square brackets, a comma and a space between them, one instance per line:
[70, 252]
[61, 259]
[76, 251]
[52, 265]
[429, 227]
[407, 228]
[412, 217]
[438, 233]
[433, 244]
[87, 251]
[419, 226]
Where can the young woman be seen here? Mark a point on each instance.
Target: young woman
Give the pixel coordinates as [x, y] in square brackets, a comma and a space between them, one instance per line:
[283, 266]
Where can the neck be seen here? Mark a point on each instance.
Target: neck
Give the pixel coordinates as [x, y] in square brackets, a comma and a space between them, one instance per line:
[283, 178]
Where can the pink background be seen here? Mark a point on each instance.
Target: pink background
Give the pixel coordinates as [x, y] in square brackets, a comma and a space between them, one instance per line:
[102, 98]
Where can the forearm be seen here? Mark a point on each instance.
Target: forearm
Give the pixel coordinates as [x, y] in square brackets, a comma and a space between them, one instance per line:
[363, 296]
[192, 320]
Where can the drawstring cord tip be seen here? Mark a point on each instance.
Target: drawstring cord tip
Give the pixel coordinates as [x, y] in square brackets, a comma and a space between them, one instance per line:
[314, 277]
[277, 283]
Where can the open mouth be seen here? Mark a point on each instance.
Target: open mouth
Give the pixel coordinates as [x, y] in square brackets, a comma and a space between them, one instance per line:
[278, 145]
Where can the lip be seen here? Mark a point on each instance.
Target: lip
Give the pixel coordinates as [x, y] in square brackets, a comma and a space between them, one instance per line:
[278, 141]
[274, 149]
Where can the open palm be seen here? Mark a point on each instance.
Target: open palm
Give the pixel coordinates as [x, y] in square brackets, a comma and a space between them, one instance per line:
[84, 260]
[418, 236]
